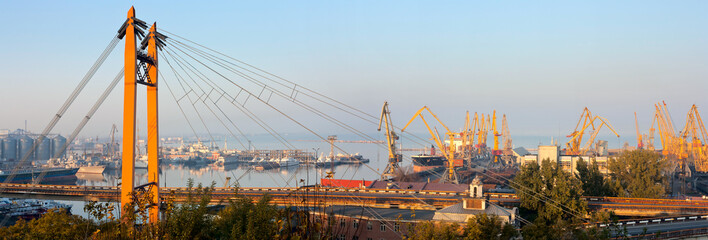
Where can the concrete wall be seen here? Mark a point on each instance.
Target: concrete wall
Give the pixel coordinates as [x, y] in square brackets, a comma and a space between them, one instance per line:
[548, 152]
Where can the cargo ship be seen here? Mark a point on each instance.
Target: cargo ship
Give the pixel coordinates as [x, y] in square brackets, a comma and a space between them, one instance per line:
[425, 162]
[50, 175]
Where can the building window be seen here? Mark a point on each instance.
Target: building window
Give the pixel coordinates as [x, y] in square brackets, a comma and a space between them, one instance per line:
[356, 223]
[382, 226]
[396, 227]
[342, 237]
[355, 238]
[369, 226]
[369, 239]
[342, 222]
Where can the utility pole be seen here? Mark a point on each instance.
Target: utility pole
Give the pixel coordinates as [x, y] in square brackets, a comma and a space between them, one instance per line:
[331, 140]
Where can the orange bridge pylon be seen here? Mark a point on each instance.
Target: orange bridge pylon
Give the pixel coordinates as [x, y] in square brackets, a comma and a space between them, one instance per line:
[140, 68]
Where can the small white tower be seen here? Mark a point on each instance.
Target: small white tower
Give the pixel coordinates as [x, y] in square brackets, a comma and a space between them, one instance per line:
[476, 199]
[476, 188]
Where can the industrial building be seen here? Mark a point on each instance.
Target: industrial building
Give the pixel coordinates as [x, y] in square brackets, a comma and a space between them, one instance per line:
[16, 145]
[569, 163]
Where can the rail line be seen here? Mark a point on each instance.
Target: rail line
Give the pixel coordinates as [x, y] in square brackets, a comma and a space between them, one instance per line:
[399, 198]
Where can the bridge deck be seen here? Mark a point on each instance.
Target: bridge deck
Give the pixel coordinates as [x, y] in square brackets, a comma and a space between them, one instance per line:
[401, 198]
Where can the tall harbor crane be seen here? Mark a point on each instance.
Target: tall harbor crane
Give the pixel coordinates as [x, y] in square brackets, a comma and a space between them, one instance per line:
[640, 143]
[667, 134]
[576, 137]
[603, 122]
[393, 156]
[467, 139]
[507, 152]
[496, 152]
[448, 151]
[482, 131]
[112, 147]
[506, 138]
[573, 146]
[694, 135]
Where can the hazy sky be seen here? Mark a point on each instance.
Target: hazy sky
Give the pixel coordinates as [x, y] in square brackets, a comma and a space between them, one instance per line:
[539, 62]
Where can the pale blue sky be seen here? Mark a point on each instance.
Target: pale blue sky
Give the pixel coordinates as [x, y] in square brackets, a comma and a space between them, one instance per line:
[540, 62]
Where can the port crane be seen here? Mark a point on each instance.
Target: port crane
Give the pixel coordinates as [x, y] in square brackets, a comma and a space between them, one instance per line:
[506, 138]
[506, 152]
[467, 139]
[694, 135]
[667, 135]
[573, 146]
[496, 152]
[640, 143]
[604, 122]
[112, 146]
[576, 137]
[482, 130]
[394, 158]
[448, 151]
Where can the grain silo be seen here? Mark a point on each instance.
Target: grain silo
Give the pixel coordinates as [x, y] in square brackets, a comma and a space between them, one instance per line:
[57, 146]
[25, 147]
[9, 148]
[43, 151]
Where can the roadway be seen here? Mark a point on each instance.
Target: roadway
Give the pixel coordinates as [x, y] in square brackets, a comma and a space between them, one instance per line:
[394, 198]
[681, 226]
[386, 198]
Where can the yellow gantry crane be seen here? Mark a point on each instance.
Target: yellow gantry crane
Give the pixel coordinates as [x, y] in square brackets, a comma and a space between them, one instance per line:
[576, 137]
[393, 156]
[573, 146]
[467, 139]
[604, 122]
[694, 136]
[482, 131]
[448, 151]
[496, 152]
[640, 143]
[667, 134]
[506, 137]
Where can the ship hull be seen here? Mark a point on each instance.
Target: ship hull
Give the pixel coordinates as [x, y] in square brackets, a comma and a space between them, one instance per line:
[52, 175]
[92, 169]
[427, 162]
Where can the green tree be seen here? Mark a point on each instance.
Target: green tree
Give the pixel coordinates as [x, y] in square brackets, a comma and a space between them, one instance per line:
[555, 196]
[541, 229]
[593, 181]
[553, 193]
[638, 174]
[426, 230]
[485, 226]
[191, 220]
[52, 225]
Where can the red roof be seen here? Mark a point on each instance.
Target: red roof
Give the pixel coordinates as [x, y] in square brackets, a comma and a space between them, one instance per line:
[344, 183]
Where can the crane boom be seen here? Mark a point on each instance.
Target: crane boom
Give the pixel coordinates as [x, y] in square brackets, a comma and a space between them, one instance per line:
[393, 157]
[695, 146]
[448, 152]
[496, 152]
[640, 144]
[577, 136]
[604, 122]
[573, 146]
[506, 138]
